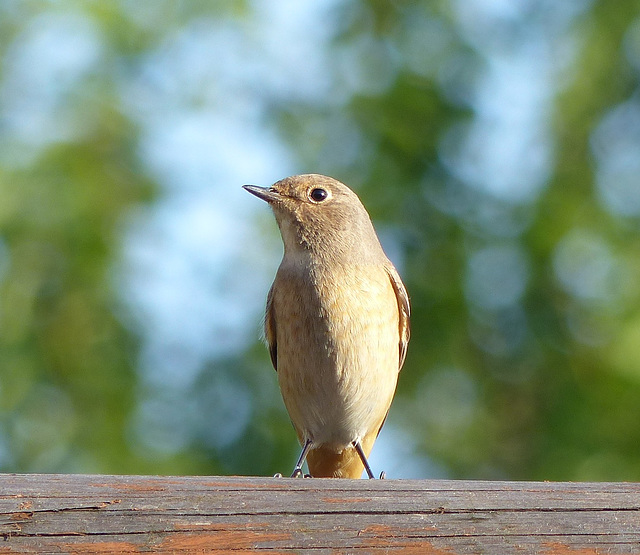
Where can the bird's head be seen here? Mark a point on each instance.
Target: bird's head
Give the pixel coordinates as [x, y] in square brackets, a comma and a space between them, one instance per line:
[320, 214]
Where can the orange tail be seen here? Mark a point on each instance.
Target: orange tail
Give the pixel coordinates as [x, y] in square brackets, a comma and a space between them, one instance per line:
[326, 463]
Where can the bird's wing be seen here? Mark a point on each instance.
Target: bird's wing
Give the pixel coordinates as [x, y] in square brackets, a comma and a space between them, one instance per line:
[270, 330]
[404, 311]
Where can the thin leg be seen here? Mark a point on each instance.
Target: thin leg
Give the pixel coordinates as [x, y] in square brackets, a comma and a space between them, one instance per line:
[363, 458]
[297, 471]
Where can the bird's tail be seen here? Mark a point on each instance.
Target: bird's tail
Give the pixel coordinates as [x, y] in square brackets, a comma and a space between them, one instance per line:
[326, 463]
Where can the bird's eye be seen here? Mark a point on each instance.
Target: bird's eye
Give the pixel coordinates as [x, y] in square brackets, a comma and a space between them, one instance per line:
[318, 195]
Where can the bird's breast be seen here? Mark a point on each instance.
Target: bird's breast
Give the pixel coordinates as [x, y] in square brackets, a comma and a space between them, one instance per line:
[337, 337]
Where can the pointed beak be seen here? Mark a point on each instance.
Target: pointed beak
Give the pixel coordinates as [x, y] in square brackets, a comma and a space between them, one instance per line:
[265, 193]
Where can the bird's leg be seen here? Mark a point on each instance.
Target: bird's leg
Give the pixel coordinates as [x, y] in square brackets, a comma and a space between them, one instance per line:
[297, 471]
[364, 460]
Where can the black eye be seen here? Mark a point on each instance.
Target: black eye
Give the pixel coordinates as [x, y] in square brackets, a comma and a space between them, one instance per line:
[318, 195]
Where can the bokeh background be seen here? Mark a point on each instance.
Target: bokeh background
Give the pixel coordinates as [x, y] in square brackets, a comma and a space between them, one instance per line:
[496, 144]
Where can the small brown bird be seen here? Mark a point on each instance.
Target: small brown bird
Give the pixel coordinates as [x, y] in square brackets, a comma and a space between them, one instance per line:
[337, 323]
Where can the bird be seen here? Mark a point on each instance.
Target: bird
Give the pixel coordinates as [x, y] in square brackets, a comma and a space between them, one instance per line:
[336, 323]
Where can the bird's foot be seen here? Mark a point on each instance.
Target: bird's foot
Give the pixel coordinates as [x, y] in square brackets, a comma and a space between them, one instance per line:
[383, 475]
[297, 473]
[277, 475]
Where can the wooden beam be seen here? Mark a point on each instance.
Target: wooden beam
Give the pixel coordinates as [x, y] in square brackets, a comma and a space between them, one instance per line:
[149, 514]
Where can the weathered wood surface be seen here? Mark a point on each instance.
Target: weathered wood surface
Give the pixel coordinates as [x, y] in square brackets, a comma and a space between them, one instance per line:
[143, 514]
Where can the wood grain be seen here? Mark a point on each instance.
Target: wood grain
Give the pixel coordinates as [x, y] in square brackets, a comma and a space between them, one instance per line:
[151, 514]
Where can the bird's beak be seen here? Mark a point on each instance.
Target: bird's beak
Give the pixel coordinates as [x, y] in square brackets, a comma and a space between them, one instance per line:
[265, 193]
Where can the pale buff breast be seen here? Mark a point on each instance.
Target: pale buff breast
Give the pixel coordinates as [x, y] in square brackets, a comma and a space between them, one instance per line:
[337, 347]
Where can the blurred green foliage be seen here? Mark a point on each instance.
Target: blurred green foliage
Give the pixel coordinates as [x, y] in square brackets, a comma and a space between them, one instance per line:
[525, 353]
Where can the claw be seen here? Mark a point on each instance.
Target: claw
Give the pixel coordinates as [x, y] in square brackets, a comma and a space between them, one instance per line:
[277, 475]
[363, 458]
[297, 471]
